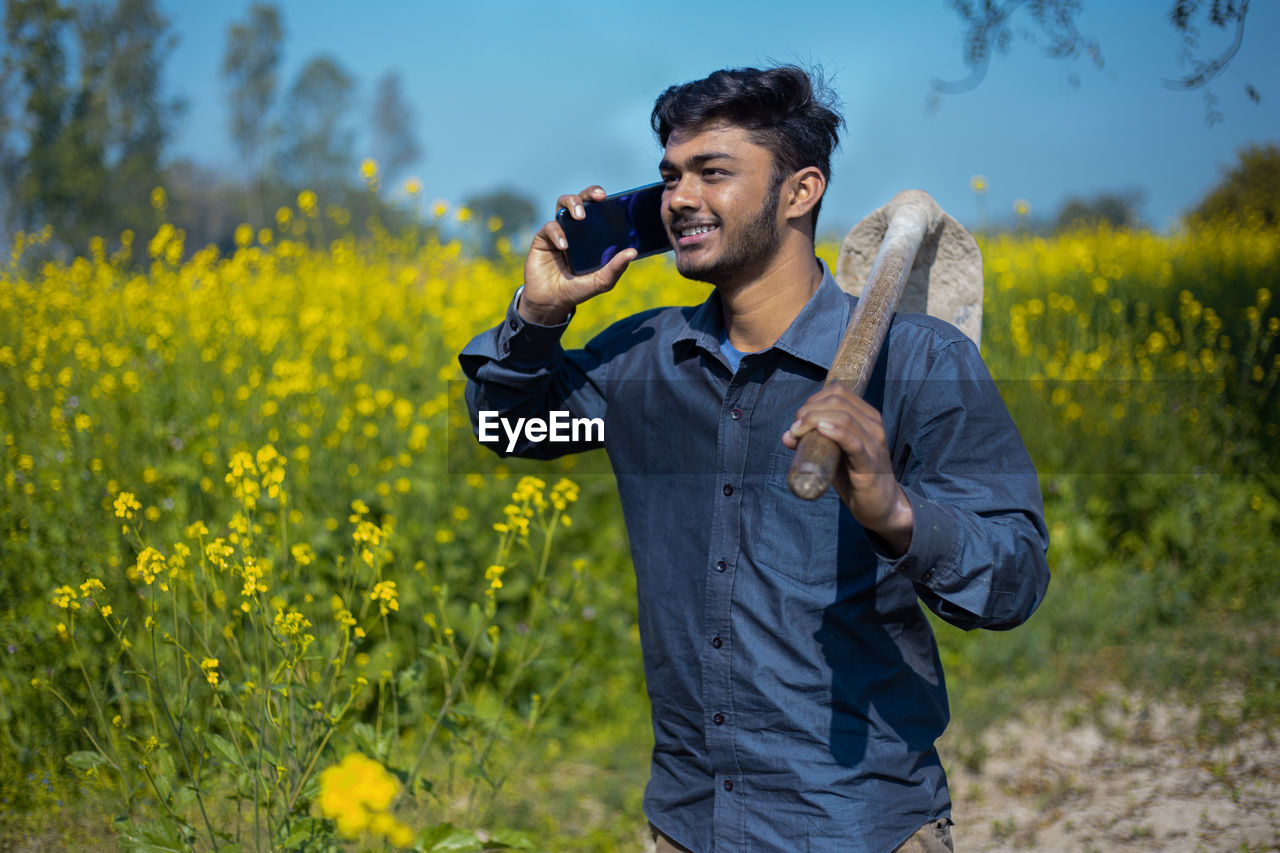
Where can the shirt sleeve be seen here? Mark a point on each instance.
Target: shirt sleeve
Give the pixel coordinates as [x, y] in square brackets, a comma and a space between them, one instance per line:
[979, 544]
[519, 369]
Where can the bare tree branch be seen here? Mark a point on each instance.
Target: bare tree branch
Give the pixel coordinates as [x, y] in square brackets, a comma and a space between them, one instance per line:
[989, 28]
[1206, 70]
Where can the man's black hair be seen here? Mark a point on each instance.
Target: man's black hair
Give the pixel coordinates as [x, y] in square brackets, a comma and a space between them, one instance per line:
[782, 107]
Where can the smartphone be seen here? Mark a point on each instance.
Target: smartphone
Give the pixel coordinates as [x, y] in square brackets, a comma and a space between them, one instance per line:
[631, 219]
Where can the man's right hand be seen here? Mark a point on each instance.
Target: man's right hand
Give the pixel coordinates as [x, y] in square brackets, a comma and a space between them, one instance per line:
[551, 290]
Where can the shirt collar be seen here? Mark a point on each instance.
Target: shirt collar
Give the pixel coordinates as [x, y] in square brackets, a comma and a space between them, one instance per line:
[813, 336]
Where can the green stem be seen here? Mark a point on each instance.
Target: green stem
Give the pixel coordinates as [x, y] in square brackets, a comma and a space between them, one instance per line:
[395, 693]
[97, 708]
[177, 732]
[451, 694]
[533, 719]
[264, 719]
[114, 765]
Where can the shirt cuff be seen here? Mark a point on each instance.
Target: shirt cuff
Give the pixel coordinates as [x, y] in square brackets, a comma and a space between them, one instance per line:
[527, 342]
[515, 306]
[933, 541]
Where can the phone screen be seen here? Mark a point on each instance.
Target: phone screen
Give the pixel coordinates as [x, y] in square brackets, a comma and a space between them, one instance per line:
[631, 219]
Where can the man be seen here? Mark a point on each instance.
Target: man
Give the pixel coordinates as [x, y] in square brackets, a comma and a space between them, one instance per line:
[794, 679]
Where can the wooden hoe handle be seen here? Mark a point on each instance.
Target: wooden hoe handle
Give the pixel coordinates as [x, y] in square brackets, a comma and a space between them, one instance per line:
[913, 214]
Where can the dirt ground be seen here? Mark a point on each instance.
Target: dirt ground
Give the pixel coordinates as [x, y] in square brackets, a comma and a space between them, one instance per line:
[1121, 775]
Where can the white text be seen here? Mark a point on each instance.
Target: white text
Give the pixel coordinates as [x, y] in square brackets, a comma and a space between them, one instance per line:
[558, 427]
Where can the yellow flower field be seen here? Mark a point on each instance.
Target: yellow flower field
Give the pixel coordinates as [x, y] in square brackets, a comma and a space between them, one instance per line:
[249, 553]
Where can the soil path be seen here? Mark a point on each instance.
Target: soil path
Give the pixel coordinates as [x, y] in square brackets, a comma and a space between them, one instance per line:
[1123, 775]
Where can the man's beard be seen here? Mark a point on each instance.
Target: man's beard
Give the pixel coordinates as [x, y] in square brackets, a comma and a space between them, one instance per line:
[742, 253]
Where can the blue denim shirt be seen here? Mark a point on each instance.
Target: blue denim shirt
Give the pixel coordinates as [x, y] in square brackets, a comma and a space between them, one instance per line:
[795, 681]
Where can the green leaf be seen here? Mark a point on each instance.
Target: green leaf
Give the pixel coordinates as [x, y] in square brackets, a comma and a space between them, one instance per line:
[305, 829]
[163, 789]
[222, 748]
[157, 836]
[310, 789]
[165, 762]
[446, 838]
[86, 760]
[135, 846]
[422, 785]
[409, 679]
[477, 771]
[185, 797]
[369, 742]
[244, 786]
[443, 651]
[512, 838]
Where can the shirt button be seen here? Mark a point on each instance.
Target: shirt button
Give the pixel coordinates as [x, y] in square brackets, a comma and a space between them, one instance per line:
[927, 576]
[506, 347]
[728, 784]
[718, 719]
[514, 324]
[728, 490]
[717, 643]
[735, 414]
[721, 566]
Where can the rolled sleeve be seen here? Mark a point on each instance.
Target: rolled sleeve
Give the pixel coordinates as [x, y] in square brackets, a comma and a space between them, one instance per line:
[933, 541]
[979, 541]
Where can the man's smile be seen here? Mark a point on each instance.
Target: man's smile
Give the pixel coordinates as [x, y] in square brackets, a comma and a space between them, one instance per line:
[691, 233]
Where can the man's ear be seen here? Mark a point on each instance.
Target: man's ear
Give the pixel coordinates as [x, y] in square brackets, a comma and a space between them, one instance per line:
[803, 191]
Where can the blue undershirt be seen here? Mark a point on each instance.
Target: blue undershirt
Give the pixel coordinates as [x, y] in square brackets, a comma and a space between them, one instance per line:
[732, 353]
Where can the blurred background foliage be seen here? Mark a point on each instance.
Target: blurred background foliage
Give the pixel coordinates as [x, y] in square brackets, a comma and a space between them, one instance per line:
[85, 123]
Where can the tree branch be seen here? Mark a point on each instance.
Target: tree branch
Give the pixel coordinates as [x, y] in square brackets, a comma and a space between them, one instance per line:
[1206, 70]
[988, 31]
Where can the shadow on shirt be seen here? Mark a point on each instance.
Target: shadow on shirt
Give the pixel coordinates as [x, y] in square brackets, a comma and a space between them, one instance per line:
[888, 697]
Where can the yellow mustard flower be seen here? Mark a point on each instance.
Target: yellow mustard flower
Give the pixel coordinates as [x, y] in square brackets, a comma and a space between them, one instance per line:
[149, 565]
[384, 592]
[126, 504]
[210, 668]
[65, 598]
[357, 794]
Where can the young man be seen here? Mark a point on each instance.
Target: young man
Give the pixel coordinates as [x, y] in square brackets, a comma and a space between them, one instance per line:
[794, 679]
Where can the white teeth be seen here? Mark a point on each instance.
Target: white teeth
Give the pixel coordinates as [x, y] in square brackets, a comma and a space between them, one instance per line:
[701, 229]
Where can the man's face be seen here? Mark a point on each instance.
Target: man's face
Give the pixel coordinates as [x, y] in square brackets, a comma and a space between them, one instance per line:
[720, 205]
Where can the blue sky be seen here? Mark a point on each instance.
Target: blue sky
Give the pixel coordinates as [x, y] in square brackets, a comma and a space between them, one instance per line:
[548, 98]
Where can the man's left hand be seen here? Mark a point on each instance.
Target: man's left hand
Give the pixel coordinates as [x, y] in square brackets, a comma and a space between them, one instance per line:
[865, 480]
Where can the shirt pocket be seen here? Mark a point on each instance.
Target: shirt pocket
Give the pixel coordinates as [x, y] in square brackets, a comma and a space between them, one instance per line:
[798, 539]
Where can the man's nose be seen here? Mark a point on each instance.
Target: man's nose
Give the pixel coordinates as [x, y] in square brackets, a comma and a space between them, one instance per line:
[683, 196]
